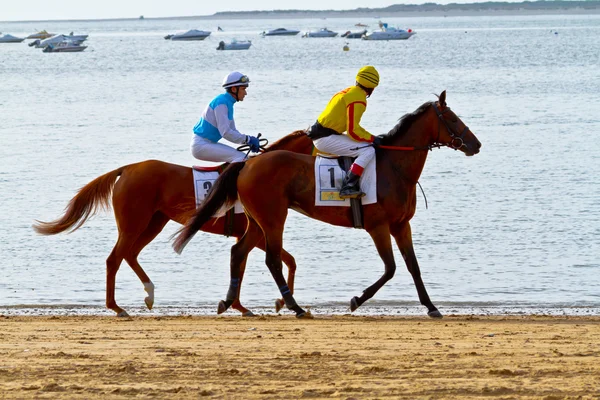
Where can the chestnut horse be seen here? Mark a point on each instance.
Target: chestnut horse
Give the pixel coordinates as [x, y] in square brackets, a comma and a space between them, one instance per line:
[145, 197]
[290, 181]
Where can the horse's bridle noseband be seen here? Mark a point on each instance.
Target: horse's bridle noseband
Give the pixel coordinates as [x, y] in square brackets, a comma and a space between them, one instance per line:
[457, 140]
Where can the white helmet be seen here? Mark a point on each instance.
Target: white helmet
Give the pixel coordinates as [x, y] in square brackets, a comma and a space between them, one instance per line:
[235, 79]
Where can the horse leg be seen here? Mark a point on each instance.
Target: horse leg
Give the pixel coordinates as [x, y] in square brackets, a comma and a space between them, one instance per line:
[290, 262]
[156, 225]
[113, 262]
[403, 236]
[239, 255]
[132, 223]
[273, 232]
[383, 243]
[237, 305]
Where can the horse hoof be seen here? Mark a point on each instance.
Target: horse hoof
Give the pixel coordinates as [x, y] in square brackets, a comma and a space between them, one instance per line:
[247, 313]
[222, 307]
[354, 304]
[123, 314]
[149, 302]
[279, 304]
[304, 315]
[435, 314]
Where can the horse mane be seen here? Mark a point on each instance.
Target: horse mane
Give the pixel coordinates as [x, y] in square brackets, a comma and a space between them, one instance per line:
[405, 122]
[282, 143]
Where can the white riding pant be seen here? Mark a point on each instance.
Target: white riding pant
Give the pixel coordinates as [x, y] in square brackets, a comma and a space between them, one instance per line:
[341, 144]
[204, 149]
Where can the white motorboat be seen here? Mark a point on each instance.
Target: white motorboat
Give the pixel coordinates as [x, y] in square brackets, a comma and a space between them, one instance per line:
[75, 39]
[321, 33]
[281, 32]
[66, 46]
[40, 35]
[389, 33]
[8, 38]
[192, 34]
[354, 35]
[235, 45]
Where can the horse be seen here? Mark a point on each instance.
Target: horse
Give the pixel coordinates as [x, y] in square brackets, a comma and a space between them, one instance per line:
[290, 181]
[146, 196]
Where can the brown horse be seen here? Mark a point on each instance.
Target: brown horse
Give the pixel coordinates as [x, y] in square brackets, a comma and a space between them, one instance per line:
[289, 180]
[145, 197]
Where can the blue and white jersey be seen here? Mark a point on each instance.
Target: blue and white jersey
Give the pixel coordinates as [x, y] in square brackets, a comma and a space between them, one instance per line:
[217, 121]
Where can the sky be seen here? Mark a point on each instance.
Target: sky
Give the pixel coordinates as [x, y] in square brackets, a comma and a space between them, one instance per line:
[33, 10]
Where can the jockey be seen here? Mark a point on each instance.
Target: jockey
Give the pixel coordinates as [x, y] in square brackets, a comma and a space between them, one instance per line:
[343, 114]
[217, 122]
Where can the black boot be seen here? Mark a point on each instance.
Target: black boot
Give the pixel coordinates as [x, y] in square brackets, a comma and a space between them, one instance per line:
[350, 187]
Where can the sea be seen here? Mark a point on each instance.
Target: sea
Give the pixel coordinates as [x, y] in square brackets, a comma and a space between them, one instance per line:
[514, 229]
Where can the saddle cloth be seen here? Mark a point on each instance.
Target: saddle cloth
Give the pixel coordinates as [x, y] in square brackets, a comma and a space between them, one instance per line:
[328, 182]
[203, 181]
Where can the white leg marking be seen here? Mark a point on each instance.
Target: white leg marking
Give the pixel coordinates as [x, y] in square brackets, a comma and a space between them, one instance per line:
[149, 300]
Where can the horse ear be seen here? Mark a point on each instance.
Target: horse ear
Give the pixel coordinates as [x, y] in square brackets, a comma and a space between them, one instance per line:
[443, 99]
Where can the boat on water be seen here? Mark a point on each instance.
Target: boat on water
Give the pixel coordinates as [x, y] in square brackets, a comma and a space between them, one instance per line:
[281, 32]
[8, 38]
[40, 35]
[235, 45]
[354, 35]
[192, 34]
[321, 33]
[389, 33]
[42, 44]
[66, 46]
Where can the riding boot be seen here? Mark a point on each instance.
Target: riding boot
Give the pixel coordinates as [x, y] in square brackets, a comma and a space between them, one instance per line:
[350, 187]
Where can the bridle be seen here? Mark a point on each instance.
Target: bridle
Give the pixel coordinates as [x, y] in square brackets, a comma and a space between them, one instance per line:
[457, 140]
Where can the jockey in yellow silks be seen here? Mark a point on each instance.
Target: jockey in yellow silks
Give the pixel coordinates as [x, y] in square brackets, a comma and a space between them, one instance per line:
[338, 131]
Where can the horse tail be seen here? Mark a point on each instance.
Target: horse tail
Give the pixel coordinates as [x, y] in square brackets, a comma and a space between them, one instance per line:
[85, 204]
[222, 195]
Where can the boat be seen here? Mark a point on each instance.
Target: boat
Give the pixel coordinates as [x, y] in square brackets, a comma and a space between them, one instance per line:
[75, 39]
[66, 46]
[389, 33]
[321, 33]
[192, 34]
[281, 32]
[8, 38]
[79, 38]
[354, 35]
[40, 35]
[235, 45]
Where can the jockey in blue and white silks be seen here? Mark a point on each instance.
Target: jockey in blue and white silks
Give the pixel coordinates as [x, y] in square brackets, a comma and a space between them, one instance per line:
[217, 122]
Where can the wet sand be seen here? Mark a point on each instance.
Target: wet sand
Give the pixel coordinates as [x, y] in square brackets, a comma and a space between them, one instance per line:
[277, 357]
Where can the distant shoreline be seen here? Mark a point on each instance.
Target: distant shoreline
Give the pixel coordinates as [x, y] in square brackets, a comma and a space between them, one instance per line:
[395, 11]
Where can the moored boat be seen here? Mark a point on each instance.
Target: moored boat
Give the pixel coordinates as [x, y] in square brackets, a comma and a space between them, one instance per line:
[235, 45]
[66, 46]
[354, 35]
[8, 38]
[281, 32]
[192, 34]
[321, 33]
[40, 35]
[389, 33]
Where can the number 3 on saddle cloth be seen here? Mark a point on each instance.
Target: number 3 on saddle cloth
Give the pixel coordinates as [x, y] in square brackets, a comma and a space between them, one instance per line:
[204, 178]
[328, 179]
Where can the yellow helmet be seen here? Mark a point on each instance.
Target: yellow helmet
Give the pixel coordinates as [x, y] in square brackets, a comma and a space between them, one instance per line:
[368, 77]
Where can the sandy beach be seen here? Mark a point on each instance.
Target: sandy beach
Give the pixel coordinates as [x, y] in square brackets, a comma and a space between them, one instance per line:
[279, 357]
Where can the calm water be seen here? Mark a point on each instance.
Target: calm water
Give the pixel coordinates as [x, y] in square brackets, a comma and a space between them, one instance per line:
[513, 229]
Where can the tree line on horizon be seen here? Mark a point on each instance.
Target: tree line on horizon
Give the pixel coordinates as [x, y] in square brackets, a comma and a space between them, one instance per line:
[488, 5]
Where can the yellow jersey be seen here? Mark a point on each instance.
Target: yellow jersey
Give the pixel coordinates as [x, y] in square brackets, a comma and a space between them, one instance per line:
[344, 111]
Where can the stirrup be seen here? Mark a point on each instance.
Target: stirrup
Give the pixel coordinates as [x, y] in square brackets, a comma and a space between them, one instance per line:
[351, 193]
